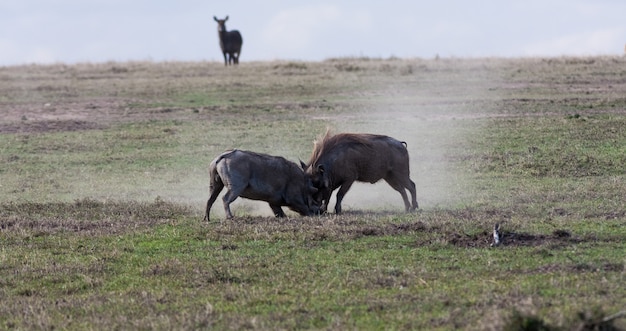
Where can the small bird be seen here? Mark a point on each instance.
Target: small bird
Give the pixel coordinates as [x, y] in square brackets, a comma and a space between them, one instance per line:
[497, 238]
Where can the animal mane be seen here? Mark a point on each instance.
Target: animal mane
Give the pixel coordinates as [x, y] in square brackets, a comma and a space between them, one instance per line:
[330, 142]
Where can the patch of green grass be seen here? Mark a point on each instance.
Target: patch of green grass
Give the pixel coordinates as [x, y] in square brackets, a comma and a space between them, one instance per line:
[355, 270]
[561, 147]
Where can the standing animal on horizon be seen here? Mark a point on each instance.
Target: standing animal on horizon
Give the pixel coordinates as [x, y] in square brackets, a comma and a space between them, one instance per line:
[230, 42]
[260, 177]
[339, 160]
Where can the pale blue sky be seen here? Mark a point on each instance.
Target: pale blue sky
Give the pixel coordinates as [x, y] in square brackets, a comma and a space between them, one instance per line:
[70, 31]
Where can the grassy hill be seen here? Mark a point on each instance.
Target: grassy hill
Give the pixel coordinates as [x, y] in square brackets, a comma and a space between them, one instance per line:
[105, 180]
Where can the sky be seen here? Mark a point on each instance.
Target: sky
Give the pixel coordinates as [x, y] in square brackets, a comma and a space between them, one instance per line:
[75, 31]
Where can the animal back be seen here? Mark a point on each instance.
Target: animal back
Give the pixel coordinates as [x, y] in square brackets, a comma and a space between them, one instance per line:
[338, 144]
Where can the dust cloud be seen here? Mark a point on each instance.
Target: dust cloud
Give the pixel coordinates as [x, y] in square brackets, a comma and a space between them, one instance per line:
[431, 138]
[430, 141]
[436, 125]
[434, 122]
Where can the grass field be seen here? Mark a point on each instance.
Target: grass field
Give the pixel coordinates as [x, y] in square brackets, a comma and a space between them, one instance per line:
[104, 182]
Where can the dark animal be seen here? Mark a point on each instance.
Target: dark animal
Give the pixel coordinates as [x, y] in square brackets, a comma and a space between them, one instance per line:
[260, 177]
[230, 42]
[339, 160]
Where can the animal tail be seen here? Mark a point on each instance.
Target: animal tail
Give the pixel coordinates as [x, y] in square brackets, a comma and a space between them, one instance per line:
[213, 175]
[223, 155]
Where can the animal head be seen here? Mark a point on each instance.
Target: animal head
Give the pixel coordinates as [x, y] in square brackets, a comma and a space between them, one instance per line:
[304, 199]
[320, 180]
[221, 24]
[312, 200]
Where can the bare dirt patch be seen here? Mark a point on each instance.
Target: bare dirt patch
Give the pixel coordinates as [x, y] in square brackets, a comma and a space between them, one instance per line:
[94, 109]
[577, 268]
[87, 217]
[509, 239]
[48, 126]
[355, 225]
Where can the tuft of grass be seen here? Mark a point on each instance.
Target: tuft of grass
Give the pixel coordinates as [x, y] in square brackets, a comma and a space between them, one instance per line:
[593, 319]
[522, 322]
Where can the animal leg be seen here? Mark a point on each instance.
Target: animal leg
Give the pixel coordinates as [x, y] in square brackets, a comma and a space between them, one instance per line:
[232, 59]
[278, 211]
[325, 200]
[215, 188]
[225, 59]
[411, 188]
[229, 197]
[324, 207]
[340, 194]
[393, 182]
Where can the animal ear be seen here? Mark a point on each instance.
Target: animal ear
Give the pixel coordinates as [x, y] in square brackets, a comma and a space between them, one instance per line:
[215, 18]
[226, 19]
[303, 165]
[320, 168]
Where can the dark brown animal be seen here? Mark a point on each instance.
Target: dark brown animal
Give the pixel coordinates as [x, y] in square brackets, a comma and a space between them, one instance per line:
[260, 177]
[339, 160]
[230, 42]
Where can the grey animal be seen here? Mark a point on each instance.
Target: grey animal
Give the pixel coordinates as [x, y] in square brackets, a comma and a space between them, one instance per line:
[337, 161]
[262, 177]
[230, 42]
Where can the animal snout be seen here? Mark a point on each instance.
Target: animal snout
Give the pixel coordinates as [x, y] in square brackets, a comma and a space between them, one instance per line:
[316, 210]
